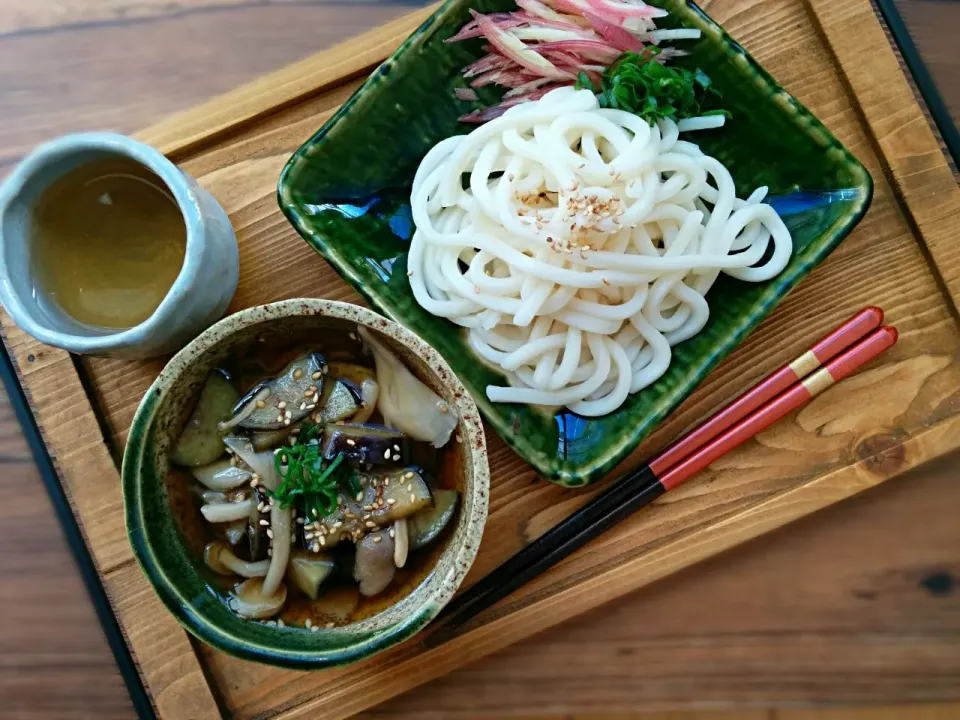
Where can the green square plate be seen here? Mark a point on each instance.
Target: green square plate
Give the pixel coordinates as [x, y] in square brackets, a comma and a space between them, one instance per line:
[346, 192]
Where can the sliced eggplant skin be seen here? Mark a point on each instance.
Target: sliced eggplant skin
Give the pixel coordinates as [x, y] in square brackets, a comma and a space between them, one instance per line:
[201, 443]
[374, 568]
[340, 399]
[364, 445]
[269, 439]
[427, 524]
[291, 387]
[383, 499]
[309, 571]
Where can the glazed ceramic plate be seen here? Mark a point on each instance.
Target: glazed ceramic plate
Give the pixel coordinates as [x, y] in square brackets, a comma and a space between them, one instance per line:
[347, 189]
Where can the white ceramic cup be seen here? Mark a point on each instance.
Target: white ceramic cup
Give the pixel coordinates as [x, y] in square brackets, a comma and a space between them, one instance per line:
[198, 297]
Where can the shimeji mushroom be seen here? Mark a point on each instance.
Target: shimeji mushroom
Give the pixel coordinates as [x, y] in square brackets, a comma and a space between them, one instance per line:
[223, 512]
[220, 558]
[249, 599]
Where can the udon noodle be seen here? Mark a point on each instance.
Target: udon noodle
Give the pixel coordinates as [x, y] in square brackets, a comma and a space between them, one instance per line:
[576, 245]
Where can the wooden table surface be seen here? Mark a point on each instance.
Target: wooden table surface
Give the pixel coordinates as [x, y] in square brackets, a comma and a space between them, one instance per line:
[858, 604]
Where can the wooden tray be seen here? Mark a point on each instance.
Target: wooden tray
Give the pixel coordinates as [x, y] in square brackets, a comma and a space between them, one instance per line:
[833, 55]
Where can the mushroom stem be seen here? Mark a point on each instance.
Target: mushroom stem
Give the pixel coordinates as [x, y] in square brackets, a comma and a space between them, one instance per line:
[220, 558]
[228, 511]
[401, 542]
[280, 520]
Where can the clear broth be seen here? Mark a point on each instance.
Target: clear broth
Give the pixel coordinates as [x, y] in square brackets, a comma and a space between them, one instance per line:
[108, 243]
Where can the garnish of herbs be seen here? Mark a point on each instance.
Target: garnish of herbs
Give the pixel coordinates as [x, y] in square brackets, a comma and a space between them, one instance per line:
[639, 84]
[306, 475]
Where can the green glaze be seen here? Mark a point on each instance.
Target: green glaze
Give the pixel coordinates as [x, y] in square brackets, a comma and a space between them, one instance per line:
[178, 573]
[346, 192]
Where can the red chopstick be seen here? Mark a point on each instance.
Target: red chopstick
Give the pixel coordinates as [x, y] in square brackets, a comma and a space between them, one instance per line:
[823, 350]
[837, 355]
[833, 371]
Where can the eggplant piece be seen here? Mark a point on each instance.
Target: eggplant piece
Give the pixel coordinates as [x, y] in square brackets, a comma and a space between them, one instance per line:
[337, 605]
[339, 400]
[249, 600]
[270, 439]
[405, 402]
[221, 475]
[308, 571]
[427, 524]
[257, 539]
[220, 558]
[201, 443]
[285, 399]
[383, 499]
[374, 568]
[365, 445]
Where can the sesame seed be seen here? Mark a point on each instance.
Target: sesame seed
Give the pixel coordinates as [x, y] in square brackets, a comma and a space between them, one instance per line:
[315, 547]
[270, 533]
[260, 404]
[368, 507]
[303, 406]
[281, 405]
[377, 539]
[265, 523]
[280, 623]
[314, 512]
[316, 376]
[392, 532]
[308, 624]
[391, 501]
[359, 497]
[366, 517]
[443, 407]
[407, 475]
[308, 536]
[409, 273]
[288, 414]
[370, 524]
[412, 497]
[458, 438]
[297, 374]
[386, 454]
[323, 540]
[279, 418]
[315, 628]
[350, 442]
[396, 448]
[330, 625]
[286, 421]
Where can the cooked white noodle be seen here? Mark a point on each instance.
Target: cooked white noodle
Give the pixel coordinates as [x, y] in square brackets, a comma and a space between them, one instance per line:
[577, 243]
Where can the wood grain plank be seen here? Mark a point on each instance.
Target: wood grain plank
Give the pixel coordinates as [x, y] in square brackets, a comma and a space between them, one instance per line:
[36, 16]
[90, 478]
[54, 661]
[350, 59]
[898, 126]
[819, 456]
[109, 66]
[835, 606]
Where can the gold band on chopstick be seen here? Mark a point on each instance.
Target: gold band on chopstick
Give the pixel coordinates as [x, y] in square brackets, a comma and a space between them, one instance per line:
[818, 382]
[805, 364]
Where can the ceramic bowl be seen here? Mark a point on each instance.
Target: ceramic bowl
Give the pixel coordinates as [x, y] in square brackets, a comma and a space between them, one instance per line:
[198, 297]
[347, 189]
[177, 573]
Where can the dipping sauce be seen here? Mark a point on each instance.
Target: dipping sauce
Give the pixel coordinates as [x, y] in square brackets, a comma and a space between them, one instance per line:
[108, 243]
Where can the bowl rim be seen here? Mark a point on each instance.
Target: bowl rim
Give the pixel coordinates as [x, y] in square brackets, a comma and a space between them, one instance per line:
[371, 639]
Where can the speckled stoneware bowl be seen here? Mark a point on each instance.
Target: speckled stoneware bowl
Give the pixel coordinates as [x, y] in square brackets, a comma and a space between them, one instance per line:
[177, 574]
